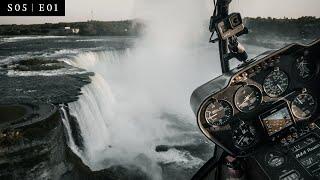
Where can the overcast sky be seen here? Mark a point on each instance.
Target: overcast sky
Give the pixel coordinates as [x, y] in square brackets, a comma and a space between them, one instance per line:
[106, 10]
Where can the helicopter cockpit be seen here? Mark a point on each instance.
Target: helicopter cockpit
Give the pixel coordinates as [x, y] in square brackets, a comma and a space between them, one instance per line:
[265, 111]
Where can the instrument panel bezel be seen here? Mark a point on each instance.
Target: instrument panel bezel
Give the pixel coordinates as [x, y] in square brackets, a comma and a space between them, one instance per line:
[229, 81]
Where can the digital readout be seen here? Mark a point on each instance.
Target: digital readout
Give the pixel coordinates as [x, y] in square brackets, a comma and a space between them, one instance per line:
[277, 121]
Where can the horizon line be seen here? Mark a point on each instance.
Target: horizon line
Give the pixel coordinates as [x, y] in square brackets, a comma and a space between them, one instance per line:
[141, 19]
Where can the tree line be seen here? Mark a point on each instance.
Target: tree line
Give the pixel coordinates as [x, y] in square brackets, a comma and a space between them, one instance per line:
[302, 28]
[89, 28]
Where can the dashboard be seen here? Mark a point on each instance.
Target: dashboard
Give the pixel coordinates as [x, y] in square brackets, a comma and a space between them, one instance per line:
[266, 100]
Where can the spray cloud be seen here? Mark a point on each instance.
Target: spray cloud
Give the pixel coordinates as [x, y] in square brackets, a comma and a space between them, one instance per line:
[122, 114]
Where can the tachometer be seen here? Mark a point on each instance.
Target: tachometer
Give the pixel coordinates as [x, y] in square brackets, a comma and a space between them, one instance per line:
[247, 98]
[303, 106]
[218, 113]
[244, 136]
[276, 83]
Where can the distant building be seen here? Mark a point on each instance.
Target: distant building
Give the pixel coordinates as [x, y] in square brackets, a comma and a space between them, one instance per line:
[64, 31]
[75, 30]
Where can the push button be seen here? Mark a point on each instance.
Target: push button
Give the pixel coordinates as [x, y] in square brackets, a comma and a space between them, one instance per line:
[293, 175]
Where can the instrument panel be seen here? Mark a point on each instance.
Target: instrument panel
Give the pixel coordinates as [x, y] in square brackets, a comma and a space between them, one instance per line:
[260, 101]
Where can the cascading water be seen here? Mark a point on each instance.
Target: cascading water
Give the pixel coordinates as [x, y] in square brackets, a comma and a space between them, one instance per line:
[66, 123]
[123, 124]
[139, 97]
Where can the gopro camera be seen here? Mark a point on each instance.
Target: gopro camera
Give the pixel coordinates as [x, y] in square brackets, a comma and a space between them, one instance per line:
[228, 27]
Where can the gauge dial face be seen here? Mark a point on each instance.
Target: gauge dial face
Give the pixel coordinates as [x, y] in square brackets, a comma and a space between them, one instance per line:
[304, 68]
[244, 135]
[247, 98]
[303, 106]
[276, 83]
[218, 113]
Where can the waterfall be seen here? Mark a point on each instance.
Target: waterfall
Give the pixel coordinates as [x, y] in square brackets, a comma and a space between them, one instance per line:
[66, 123]
[139, 97]
[93, 112]
[122, 114]
[116, 127]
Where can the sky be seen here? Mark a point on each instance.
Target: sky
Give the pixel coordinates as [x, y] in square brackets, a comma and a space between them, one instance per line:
[108, 10]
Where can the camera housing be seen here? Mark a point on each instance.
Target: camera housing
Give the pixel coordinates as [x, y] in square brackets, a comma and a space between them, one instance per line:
[230, 26]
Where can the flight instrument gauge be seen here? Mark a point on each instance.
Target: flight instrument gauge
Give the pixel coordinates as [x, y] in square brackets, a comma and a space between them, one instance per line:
[247, 98]
[303, 106]
[276, 83]
[244, 135]
[218, 113]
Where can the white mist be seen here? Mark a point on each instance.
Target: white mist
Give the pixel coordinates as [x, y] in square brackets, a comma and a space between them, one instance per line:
[121, 113]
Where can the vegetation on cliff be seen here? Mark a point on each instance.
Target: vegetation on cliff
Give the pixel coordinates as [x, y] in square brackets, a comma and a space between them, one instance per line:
[90, 28]
[301, 28]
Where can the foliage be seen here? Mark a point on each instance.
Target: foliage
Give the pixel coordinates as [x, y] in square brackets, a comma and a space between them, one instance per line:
[301, 28]
[90, 28]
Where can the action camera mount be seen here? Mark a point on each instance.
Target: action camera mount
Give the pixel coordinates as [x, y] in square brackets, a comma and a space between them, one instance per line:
[228, 28]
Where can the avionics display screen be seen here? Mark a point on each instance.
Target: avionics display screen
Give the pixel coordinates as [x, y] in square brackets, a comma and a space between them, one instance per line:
[277, 120]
